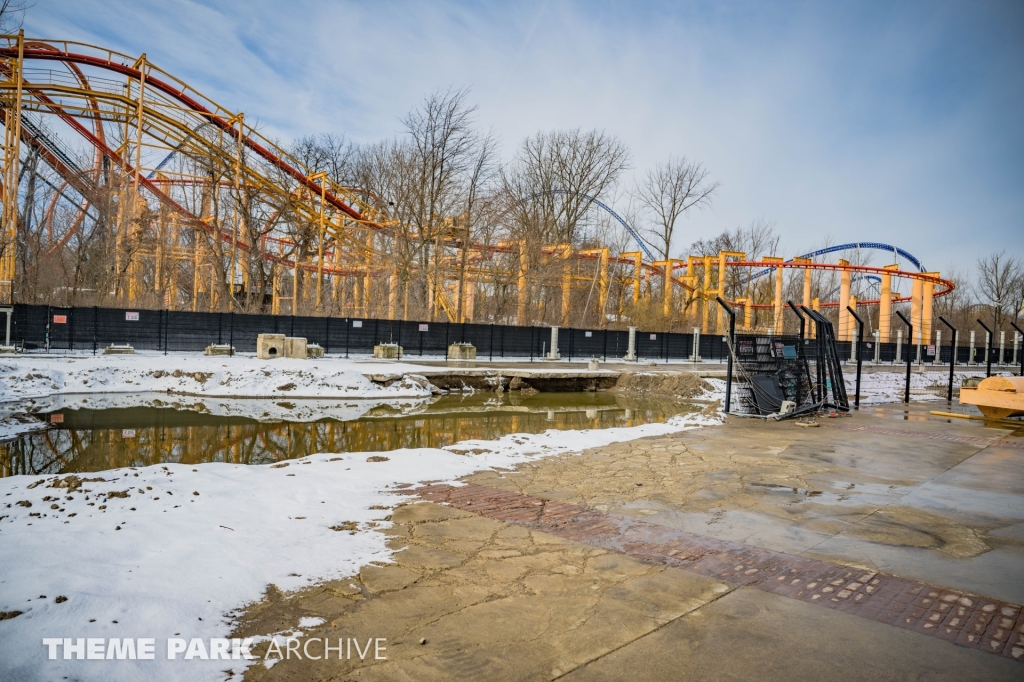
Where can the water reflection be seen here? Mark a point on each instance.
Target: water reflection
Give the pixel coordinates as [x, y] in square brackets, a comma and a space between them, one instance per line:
[107, 434]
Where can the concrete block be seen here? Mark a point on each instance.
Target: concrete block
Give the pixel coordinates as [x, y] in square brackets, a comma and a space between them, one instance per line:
[114, 349]
[295, 347]
[269, 346]
[387, 351]
[219, 349]
[462, 351]
[8, 350]
[314, 350]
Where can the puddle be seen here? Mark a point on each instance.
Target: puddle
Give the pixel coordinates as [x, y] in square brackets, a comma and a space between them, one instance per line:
[96, 433]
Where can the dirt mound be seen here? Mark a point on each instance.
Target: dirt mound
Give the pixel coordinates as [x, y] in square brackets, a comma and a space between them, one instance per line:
[674, 384]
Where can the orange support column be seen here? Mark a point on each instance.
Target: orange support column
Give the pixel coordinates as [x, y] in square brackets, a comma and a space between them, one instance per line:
[885, 306]
[778, 318]
[844, 332]
[521, 294]
[927, 309]
[916, 298]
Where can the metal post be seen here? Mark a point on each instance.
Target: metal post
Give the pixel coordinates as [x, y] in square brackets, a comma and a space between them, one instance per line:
[7, 334]
[732, 335]
[95, 330]
[490, 345]
[859, 345]
[988, 349]
[799, 316]
[910, 335]
[1002, 348]
[878, 347]
[1021, 332]
[952, 358]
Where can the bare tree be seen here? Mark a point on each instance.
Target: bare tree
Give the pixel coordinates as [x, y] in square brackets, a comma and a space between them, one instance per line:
[557, 176]
[668, 191]
[998, 285]
[12, 14]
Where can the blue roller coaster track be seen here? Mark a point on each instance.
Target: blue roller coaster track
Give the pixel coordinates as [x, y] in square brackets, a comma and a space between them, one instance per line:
[629, 228]
[896, 251]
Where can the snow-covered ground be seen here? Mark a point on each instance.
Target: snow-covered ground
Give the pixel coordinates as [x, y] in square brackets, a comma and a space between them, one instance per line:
[36, 376]
[174, 550]
[888, 387]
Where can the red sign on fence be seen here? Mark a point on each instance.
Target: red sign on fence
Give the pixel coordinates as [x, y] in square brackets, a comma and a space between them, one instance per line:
[131, 316]
[60, 319]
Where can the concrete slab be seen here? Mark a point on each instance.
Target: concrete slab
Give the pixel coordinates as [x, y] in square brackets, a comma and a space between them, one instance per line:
[747, 635]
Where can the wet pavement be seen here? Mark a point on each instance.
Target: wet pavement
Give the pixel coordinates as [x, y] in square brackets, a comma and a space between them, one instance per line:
[656, 559]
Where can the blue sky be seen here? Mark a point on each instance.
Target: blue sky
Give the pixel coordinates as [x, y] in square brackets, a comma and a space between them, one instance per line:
[891, 122]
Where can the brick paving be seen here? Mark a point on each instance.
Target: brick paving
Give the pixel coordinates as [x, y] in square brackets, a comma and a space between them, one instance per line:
[960, 617]
[999, 441]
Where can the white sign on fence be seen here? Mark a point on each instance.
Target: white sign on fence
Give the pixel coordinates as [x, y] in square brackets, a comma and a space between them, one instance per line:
[654, 337]
[127, 433]
[131, 316]
[357, 323]
[588, 334]
[424, 327]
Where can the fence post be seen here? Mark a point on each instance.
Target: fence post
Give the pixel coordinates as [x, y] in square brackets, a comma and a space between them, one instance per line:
[858, 348]
[910, 335]
[447, 325]
[490, 345]
[220, 328]
[95, 325]
[728, 369]
[399, 344]
[348, 324]
[327, 334]
[952, 358]
[1021, 332]
[231, 332]
[988, 349]
[71, 329]
[167, 326]
[631, 349]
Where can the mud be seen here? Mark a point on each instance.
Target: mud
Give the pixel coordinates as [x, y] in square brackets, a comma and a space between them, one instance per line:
[683, 385]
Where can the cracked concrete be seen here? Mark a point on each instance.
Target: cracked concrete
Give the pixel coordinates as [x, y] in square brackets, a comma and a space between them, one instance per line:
[499, 601]
[492, 601]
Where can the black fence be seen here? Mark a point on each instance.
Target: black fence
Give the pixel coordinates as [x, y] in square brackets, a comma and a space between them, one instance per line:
[46, 328]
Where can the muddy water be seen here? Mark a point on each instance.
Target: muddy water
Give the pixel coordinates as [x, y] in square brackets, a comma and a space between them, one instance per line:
[87, 437]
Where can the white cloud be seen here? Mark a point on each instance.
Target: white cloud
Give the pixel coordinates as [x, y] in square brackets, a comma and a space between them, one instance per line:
[866, 123]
